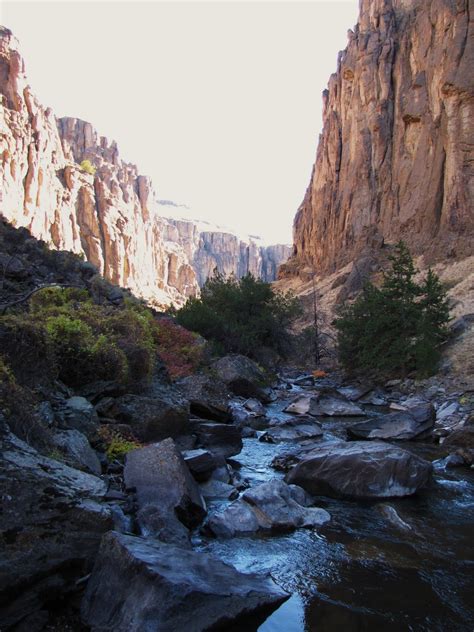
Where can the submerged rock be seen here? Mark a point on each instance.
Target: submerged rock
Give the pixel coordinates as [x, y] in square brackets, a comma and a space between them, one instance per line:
[292, 432]
[272, 506]
[404, 425]
[139, 585]
[360, 469]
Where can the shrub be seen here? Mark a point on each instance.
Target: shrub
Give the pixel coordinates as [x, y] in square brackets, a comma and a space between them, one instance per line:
[241, 316]
[180, 349]
[118, 444]
[398, 327]
[88, 167]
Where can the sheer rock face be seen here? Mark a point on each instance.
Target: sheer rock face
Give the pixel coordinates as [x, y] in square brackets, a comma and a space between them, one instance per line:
[211, 249]
[395, 157]
[110, 217]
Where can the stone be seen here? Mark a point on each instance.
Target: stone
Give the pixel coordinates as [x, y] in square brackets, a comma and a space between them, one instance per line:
[139, 584]
[77, 450]
[463, 438]
[255, 406]
[400, 426]
[200, 462]
[153, 418]
[291, 432]
[243, 418]
[360, 469]
[354, 392]
[79, 414]
[213, 489]
[446, 410]
[242, 376]
[221, 440]
[208, 397]
[161, 479]
[325, 405]
[51, 522]
[272, 506]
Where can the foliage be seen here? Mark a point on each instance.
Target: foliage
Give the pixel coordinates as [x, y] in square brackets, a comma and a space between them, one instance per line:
[241, 315]
[117, 444]
[398, 327]
[67, 335]
[88, 167]
[180, 349]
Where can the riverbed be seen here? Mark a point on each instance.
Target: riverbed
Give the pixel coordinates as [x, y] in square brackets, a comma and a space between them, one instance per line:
[397, 564]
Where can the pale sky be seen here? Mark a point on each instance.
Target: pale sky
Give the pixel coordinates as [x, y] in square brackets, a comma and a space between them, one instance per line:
[219, 102]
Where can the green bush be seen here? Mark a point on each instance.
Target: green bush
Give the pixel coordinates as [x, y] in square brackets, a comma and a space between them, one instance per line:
[88, 167]
[397, 328]
[241, 315]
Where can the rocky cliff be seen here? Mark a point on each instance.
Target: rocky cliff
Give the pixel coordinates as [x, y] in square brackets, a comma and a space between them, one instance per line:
[396, 154]
[209, 247]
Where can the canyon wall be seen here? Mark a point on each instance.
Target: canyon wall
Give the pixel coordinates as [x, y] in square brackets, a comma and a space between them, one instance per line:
[209, 248]
[109, 216]
[396, 155]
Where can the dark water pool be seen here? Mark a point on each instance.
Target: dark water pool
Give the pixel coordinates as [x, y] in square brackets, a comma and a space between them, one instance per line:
[370, 568]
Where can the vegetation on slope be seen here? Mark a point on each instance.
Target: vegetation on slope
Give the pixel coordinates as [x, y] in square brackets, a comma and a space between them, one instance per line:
[242, 316]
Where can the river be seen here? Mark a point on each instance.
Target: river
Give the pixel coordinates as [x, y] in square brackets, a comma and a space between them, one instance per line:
[398, 564]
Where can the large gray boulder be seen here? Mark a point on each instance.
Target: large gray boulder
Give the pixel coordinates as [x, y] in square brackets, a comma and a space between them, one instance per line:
[163, 481]
[272, 506]
[153, 418]
[360, 469]
[208, 396]
[242, 376]
[140, 585]
[292, 432]
[324, 404]
[400, 426]
[51, 523]
[222, 440]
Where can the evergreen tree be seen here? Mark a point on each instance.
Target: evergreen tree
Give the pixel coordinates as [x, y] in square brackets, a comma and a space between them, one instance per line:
[397, 328]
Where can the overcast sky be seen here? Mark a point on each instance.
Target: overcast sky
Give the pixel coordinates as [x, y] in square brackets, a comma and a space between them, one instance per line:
[219, 102]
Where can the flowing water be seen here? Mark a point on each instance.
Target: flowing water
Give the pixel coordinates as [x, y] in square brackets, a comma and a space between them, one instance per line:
[365, 570]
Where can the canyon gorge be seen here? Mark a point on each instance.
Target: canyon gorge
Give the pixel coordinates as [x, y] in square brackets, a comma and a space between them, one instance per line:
[106, 211]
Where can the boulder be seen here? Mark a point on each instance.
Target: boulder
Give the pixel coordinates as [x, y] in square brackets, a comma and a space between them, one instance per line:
[243, 417]
[153, 418]
[255, 406]
[222, 440]
[242, 376]
[213, 489]
[77, 450]
[401, 426]
[200, 462]
[139, 585]
[208, 396]
[79, 414]
[462, 438]
[360, 469]
[354, 392]
[291, 432]
[446, 410]
[324, 404]
[272, 506]
[51, 523]
[162, 480]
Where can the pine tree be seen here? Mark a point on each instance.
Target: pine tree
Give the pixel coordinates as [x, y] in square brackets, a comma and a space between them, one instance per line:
[397, 328]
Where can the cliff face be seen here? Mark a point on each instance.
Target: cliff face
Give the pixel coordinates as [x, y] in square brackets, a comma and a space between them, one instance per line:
[209, 249]
[396, 154]
[110, 216]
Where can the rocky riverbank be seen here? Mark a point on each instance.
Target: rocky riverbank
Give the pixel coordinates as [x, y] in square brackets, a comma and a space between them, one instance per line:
[78, 524]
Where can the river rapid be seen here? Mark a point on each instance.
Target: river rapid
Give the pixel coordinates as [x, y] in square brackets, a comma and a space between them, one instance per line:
[395, 564]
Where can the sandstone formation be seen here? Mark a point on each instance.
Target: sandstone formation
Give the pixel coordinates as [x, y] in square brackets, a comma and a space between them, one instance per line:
[209, 248]
[109, 216]
[395, 157]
